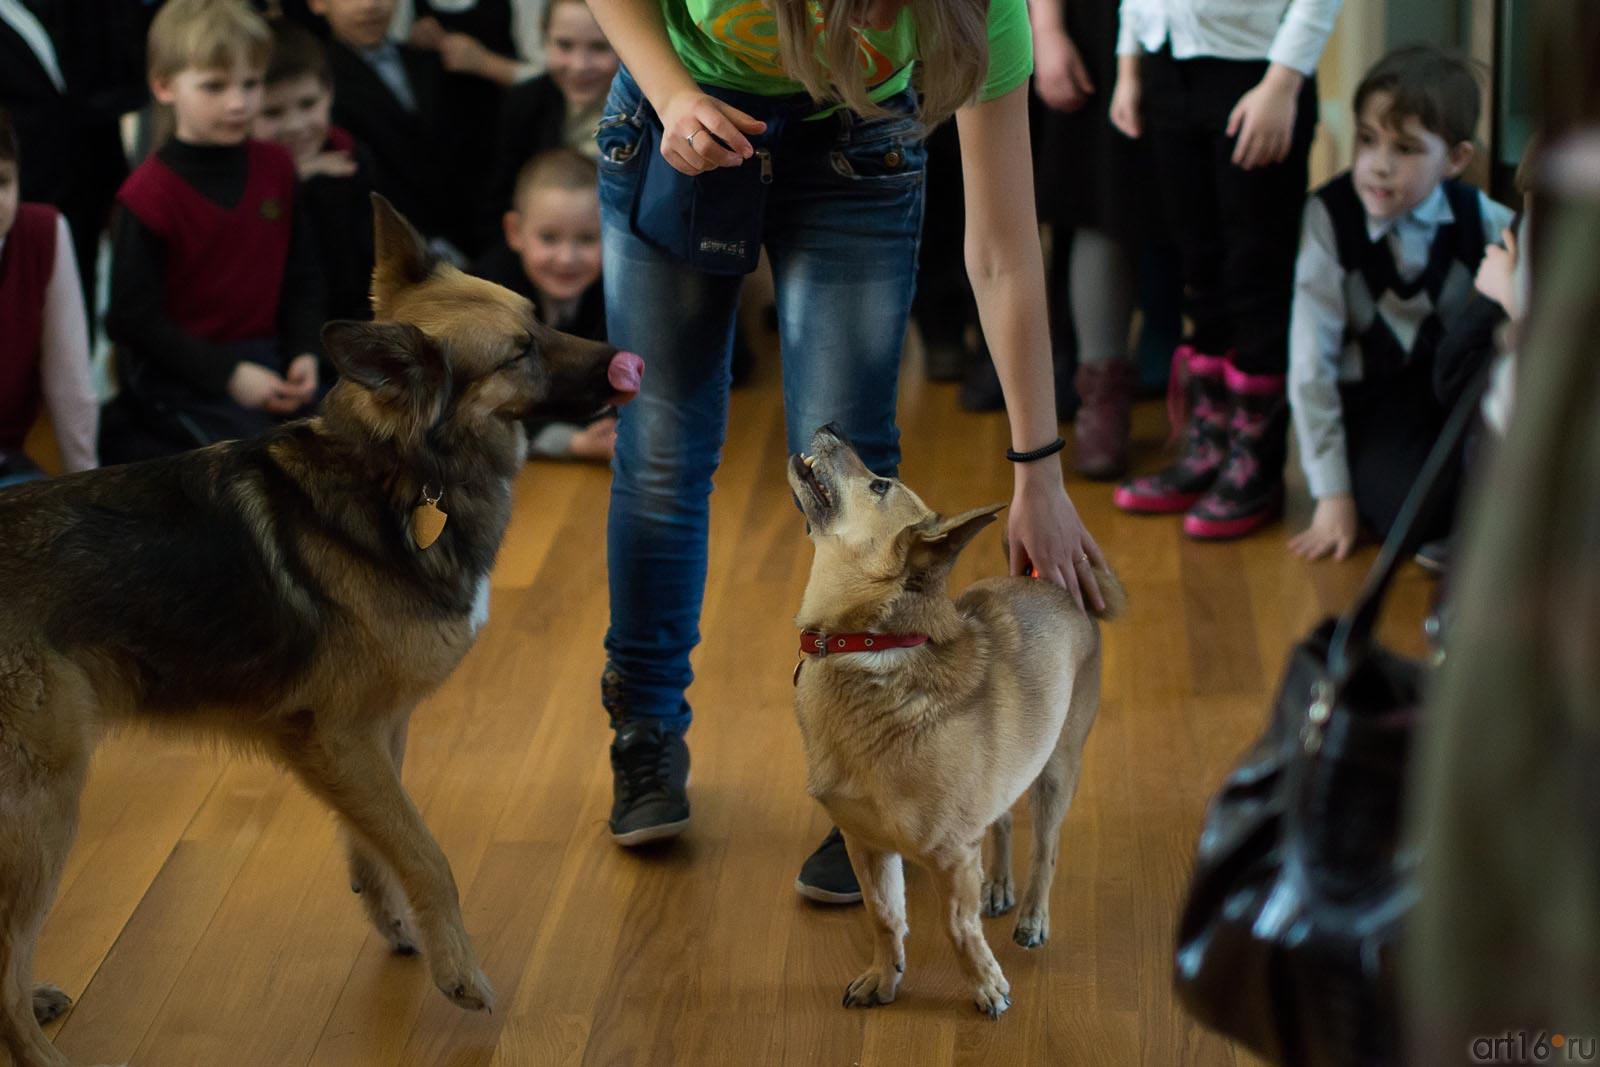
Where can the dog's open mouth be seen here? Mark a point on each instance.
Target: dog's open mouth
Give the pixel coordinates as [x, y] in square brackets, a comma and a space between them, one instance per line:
[805, 473]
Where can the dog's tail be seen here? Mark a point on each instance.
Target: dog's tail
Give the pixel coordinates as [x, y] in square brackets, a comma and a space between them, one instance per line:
[1111, 590]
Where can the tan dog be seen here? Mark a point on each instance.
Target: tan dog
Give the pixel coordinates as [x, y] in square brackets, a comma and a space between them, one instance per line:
[293, 594]
[917, 751]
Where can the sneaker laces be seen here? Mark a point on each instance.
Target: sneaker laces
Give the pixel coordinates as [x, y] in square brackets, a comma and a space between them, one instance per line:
[644, 764]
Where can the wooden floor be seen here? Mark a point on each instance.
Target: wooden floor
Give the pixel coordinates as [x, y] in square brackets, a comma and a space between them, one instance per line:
[205, 919]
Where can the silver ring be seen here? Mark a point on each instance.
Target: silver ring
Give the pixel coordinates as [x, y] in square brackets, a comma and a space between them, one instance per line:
[692, 136]
[1083, 557]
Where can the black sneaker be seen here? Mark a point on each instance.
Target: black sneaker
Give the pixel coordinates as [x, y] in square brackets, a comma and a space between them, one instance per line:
[826, 876]
[649, 779]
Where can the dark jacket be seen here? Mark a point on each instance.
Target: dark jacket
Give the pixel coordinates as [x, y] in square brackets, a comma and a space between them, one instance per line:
[533, 117]
[410, 151]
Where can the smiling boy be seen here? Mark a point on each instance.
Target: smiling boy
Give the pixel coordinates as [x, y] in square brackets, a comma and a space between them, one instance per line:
[1387, 257]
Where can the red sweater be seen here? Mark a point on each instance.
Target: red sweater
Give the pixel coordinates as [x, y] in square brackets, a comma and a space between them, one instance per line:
[224, 266]
[26, 264]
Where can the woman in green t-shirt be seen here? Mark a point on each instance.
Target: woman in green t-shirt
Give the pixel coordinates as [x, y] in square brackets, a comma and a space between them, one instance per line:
[742, 124]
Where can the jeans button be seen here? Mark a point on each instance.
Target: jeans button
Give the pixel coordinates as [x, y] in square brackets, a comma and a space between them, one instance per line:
[893, 158]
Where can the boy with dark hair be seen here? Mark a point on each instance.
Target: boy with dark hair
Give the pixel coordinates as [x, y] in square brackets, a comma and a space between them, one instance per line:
[215, 295]
[335, 173]
[44, 335]
[1387, 258]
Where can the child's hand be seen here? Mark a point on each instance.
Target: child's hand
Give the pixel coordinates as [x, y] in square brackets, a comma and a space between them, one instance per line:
[302, 378]
[332, 164]
[1497, 274]
[1333, 529]
[1059, 76]
[596, 442]
[462, 54]
[259, 389]
[426, 33]
[1125, 97]
[1263, 120]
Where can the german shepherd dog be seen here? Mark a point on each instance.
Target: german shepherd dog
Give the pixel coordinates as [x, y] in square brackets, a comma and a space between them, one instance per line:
[286, 594]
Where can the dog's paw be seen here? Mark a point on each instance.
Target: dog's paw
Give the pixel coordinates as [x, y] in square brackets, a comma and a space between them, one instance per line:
[1033, 929]
[871, 988]
[49, 1004]
[998, 896]
[993, 996]
[470, 991]
[402, 939]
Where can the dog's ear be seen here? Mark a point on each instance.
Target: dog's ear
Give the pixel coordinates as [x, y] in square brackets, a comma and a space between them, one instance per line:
[938, 541]
[400, 256]
[391, 360]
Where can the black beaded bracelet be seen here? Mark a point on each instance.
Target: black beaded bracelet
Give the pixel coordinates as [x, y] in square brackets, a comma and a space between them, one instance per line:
[1039, 453]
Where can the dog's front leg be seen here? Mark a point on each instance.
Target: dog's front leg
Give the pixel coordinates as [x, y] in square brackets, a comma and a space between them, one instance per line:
[370, 877]
[355, 772]
[958, 876]
[883, 889]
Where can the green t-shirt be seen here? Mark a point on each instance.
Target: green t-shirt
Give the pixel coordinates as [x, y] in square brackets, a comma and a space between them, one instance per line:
[734, 44]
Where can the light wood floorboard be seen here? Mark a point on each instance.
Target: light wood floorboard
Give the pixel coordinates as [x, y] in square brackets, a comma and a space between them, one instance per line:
[205, 917]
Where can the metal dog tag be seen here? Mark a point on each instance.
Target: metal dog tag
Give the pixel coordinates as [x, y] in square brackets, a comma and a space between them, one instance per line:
[427, 522]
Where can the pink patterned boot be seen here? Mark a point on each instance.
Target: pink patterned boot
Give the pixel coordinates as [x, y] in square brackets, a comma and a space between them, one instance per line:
[1203, 430]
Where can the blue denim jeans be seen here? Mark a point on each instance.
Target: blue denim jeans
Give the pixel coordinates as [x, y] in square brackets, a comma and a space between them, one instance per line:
[841, 225]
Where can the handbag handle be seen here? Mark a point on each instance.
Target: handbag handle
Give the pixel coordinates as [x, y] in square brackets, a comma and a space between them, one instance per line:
[1353, 635]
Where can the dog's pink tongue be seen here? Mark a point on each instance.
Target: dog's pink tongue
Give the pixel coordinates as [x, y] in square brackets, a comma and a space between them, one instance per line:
[624, 373]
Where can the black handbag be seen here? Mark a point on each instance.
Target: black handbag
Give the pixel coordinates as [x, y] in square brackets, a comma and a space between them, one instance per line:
[1287, 942]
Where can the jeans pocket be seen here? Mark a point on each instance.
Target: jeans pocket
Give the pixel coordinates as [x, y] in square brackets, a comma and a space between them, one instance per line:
[885, 149]
[894, 159]
[621, 125]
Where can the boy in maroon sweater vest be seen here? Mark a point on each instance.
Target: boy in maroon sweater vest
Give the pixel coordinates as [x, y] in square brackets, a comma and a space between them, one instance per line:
[44, 336]
[215, 295]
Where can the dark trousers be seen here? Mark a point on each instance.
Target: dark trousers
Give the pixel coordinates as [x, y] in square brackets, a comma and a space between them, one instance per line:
[1237, 230]
[153, 417]
[1390, 427]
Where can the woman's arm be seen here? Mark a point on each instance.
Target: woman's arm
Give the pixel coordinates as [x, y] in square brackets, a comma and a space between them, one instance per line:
[1006, 266]
[638, 31]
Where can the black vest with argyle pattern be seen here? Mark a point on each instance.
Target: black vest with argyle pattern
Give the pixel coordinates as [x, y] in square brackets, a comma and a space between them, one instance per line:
[1377, 300]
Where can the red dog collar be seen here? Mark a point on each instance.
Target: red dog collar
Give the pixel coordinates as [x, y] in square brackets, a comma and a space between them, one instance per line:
[816, 643]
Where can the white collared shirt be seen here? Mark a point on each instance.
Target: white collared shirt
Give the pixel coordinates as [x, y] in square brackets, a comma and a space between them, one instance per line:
[1320, 358]
[1288, 32]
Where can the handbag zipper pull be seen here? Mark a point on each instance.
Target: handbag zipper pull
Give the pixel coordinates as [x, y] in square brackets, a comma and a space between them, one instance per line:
[1322, 696]
[766, 165]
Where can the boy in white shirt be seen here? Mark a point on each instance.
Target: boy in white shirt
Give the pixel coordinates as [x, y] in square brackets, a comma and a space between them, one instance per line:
[1387, 258]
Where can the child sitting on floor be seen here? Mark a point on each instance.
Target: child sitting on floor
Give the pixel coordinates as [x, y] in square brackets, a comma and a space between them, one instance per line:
[335, 173]
[1387, 258]
[44, 335]
[215, 292]
[551, 255]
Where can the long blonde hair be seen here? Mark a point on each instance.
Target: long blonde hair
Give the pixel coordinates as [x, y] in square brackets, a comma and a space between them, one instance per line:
[952, 52]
